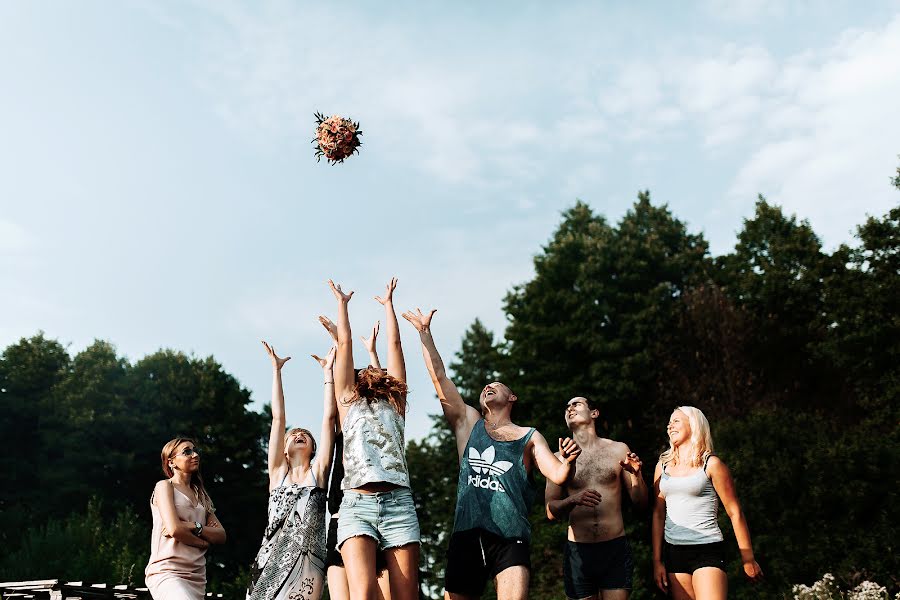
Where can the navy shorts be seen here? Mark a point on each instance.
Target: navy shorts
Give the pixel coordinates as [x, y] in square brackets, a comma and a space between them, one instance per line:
[689, 558]
[589, 568]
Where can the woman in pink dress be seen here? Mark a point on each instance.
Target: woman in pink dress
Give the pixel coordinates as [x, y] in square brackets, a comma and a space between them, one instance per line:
[184, 525]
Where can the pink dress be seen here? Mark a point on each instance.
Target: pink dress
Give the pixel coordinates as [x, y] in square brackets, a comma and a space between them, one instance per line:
[176, 571]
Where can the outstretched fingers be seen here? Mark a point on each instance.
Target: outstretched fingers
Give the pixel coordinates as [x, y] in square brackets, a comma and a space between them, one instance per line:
[277, 361]
[328, 361]
[418, 319]
[388, 292]
[329, 326]
[338, 292]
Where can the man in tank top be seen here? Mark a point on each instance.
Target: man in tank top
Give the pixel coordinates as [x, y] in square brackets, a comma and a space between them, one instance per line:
[597, 562]
[491, 533]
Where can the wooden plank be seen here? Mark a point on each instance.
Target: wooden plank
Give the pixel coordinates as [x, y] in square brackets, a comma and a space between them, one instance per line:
[36, 583]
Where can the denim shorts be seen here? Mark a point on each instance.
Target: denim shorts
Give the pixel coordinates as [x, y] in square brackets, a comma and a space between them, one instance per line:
[387, 517]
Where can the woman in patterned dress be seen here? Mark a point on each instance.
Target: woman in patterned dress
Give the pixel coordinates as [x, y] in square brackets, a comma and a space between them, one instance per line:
[290, 564]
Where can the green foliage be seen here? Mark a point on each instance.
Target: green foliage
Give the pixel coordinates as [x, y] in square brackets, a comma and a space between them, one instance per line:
[94, 424]
[793, 353]
[83, 546]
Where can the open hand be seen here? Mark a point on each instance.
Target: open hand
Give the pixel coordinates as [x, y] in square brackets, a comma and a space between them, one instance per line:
[369, 342]
[328, 362]
[329, 326]
[339, 293]
[568, 449]
[388, 292]
[419, 320]
[632, 463]
[277, 361]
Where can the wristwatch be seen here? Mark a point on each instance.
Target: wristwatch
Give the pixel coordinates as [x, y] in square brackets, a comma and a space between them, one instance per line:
[198, 528]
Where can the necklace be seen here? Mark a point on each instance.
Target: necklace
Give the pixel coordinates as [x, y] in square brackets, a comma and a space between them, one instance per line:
[495, 426]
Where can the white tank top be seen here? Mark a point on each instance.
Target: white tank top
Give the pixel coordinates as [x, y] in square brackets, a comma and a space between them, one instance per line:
[692, 508]
[374, 445]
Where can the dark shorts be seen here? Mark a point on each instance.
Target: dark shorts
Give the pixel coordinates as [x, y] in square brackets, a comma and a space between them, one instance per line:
[475, 556]
[333, 556]
[689, 558]
[591, 567]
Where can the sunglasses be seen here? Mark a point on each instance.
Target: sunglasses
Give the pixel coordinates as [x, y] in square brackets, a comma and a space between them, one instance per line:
[190, 452]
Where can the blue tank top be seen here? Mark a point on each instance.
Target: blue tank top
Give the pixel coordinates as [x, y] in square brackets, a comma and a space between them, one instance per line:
[494, 491]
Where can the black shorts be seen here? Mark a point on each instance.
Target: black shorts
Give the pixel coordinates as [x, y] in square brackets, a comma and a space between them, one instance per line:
[591, 567]
[477, 555]
[333, 556]
[689, 558]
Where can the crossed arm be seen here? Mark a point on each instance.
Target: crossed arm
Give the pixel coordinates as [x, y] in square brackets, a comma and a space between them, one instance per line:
[183, 531]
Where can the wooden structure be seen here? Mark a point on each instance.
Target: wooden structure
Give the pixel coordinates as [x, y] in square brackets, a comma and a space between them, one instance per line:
[54, 589]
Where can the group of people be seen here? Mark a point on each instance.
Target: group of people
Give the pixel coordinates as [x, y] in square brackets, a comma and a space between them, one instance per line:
[370, 547]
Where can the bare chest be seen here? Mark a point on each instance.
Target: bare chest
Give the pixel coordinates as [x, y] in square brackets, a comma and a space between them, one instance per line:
[596, 469]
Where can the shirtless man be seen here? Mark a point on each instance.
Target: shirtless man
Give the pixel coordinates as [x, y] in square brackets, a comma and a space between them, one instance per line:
[491, 532]
[597, 564]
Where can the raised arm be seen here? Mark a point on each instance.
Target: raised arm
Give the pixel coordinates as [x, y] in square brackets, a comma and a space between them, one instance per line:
[724, 484]
[555, 468]
[164, 498]
[369, 343]
[396, 365]
[633, 479]
[344, 376]
[277, 462]
[329, 418]
[658, 527]
[459, 415]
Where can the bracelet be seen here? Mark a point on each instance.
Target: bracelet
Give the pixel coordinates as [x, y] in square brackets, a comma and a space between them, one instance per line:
[327, 382]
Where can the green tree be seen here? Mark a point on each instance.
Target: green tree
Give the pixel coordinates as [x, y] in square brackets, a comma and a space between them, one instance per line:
[776, 273]
[29, 369]
[84, 546]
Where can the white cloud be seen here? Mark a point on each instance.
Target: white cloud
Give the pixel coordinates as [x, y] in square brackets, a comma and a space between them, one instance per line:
[830, 139]
[14, 239]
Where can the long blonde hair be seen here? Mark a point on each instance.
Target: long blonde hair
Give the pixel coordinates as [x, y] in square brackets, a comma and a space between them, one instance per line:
[701, 439]
[167, 454]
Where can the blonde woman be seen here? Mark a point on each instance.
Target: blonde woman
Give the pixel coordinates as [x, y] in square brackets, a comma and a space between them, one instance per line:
[290, 563]
[183, 526]
[377, 511]
[338, 588]
[688, 546]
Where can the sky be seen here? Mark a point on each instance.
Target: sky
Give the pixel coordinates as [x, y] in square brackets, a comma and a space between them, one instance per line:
[158, 187]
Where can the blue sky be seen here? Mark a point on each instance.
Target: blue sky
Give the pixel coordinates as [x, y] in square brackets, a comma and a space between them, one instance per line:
[158, 187]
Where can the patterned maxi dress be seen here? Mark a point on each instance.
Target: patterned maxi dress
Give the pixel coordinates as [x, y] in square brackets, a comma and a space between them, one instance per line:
[290, 564]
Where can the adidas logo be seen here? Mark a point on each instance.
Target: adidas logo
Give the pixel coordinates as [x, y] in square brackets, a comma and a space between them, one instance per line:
[483, 464]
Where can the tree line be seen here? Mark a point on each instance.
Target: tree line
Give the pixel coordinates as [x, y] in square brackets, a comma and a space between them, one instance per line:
[792, 352]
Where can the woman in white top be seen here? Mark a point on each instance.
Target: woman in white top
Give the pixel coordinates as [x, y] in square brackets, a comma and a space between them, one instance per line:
[291, 561]
[377, 511]
[183, 526]
[688, 547]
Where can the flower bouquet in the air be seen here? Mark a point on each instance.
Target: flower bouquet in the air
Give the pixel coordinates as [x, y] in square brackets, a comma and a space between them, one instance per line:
[336, 138]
